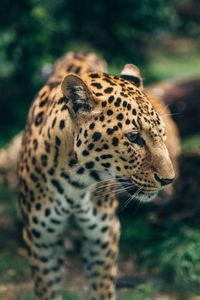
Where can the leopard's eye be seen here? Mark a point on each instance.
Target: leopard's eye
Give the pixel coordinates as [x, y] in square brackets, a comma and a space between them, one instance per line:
[132, 136]
[135, 138]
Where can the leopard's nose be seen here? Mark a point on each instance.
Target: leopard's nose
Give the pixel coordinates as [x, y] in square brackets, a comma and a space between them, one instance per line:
[163, 181]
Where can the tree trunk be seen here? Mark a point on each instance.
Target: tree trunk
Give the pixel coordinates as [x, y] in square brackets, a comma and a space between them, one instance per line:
[183, 98]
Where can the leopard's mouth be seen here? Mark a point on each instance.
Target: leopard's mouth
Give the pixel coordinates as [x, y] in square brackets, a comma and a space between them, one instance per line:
[137, 192]
[129, 187]
[132, 190]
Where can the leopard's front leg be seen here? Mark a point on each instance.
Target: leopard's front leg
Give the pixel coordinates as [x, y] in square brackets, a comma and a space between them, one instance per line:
[101, 232]
[43, 234]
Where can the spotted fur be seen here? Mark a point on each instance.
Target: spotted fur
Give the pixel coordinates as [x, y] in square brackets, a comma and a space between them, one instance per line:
[85, 137]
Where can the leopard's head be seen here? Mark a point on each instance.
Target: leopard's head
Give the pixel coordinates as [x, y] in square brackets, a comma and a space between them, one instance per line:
[117, 132]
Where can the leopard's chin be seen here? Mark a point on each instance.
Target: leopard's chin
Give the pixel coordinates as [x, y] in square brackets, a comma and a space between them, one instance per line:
[142, 197]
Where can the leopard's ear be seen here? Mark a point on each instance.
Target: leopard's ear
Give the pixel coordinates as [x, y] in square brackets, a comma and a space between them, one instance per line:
[79, 96]
[131, 73]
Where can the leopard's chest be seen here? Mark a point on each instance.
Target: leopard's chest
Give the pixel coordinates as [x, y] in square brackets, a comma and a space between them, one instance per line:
[69, 194]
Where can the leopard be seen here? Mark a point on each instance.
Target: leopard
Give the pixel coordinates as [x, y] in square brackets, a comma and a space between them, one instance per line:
[88, 134]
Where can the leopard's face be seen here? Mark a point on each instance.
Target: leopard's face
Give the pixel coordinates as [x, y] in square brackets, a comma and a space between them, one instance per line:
[119, 135]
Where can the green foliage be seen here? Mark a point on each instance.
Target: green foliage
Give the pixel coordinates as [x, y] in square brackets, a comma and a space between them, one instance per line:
[119, 27]
[141, 292]
[71, 296]
[35, 32]
[170, 252]
[177, 258]
[13, 267]
[188, 18]
[26, 295]
[173, 63]
[192, 142]
[8, 200]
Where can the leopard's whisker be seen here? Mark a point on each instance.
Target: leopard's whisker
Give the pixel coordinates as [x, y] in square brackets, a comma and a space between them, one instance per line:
[108, 185]
[114, 185]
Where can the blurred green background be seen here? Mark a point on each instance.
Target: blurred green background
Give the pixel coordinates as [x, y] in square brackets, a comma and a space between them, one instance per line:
[162, 38]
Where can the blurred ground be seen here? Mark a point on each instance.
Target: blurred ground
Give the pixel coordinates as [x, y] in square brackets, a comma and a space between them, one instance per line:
[162, 263]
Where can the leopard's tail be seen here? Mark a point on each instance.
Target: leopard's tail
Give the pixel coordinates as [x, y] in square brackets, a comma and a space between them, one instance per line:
[8, 162]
